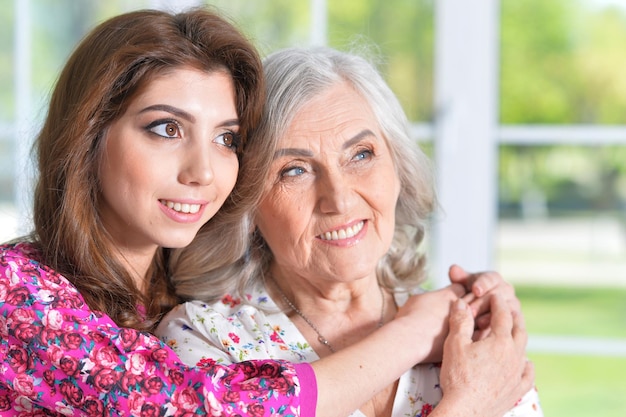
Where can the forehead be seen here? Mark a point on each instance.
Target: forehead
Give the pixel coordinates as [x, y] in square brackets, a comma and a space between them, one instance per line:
[174, 82]
[336, 111]
[183, 77]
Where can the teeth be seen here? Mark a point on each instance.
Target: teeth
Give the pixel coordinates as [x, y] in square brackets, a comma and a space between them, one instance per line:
[342, 233]
[182, 207]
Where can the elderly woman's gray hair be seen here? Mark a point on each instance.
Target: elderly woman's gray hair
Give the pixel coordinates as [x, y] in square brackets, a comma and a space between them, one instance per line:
[293, 77]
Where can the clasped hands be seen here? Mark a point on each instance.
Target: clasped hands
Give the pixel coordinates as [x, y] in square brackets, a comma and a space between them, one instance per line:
[476, 328]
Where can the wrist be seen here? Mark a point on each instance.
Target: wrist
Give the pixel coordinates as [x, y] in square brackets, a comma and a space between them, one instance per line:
[404, 328]
[450, 407]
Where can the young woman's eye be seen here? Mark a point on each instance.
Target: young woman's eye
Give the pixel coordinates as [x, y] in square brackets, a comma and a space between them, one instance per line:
[292, 172]
[165, 128]
[229, 139]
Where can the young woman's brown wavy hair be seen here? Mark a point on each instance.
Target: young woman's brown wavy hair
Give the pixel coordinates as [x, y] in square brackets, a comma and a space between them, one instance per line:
[103, 75]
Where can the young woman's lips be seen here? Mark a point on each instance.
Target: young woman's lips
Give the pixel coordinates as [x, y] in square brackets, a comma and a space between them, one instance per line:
[181, 211]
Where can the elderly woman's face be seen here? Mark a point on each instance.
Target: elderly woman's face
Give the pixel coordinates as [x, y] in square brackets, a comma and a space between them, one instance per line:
[329, 211]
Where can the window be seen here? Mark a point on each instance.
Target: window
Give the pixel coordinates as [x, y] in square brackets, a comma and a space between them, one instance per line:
[522, 105]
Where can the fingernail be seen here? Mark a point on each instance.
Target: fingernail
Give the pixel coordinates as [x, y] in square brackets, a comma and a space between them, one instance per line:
[460, 304]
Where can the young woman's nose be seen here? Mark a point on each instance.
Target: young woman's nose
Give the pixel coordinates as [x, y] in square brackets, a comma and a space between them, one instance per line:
[197, 167]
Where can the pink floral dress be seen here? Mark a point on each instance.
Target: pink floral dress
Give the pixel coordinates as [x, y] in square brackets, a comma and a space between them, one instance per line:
[59, 358]
[232, 331]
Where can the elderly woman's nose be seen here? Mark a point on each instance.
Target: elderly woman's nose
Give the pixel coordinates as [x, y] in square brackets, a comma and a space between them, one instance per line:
[336, 193]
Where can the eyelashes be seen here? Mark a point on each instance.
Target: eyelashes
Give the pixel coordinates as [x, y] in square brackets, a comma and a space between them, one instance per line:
[172, 129]
[165, 128]
[231, 140]
[297, 168]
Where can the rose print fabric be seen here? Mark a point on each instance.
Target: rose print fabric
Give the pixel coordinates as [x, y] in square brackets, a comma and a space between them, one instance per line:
[59, 358]
[232, 330]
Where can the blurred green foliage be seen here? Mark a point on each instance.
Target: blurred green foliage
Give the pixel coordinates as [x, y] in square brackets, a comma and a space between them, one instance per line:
[402, 32]
[562, 62]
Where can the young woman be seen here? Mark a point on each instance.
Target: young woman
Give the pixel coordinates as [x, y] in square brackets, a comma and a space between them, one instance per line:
[140, 148]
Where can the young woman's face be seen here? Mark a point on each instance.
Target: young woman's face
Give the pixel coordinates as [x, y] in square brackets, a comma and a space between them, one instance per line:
[169, 161]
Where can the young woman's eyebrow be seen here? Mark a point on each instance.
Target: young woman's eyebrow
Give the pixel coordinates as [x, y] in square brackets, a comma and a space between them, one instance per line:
[170, 109]
[230, 123]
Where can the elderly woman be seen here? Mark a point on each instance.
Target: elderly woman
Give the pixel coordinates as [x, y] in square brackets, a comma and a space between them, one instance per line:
[334, 249]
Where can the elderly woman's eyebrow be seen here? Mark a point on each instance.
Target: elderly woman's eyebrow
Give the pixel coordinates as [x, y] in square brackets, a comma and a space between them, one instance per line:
[357, 138]
[292, 152]
[307, 153]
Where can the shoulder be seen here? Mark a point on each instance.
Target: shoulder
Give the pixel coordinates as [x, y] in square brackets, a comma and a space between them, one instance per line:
[23, 259]
[241, 329]
[230, 309]
[26, 281]
[19, 252]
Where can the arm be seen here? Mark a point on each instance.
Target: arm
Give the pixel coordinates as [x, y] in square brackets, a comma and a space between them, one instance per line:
[386, 368]
[58, 355]
[375, 362]
[347, 378]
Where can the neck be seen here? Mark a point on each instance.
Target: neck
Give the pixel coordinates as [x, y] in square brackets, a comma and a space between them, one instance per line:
[137, 264]
[327, 296]
[331, 323]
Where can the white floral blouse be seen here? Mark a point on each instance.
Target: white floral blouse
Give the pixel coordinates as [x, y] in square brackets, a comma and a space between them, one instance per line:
[232, 331]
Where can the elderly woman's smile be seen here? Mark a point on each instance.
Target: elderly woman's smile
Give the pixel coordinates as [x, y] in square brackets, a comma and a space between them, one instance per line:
[349, 232]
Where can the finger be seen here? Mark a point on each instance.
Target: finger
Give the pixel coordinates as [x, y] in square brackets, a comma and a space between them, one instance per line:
[485, 282]
[469, 298]
[457, 289]
[458, 275]
[519, 333]
[514, 302]
[461, 323]
[528, 378]
[483, 321]
[480, 334]
[479, 305]
[501, 316]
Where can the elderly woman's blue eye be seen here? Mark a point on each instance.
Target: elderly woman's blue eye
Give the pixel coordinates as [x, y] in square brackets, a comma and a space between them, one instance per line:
[293, 172]
[363, 155]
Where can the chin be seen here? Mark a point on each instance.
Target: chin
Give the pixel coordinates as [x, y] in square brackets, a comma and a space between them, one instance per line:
[177, 243]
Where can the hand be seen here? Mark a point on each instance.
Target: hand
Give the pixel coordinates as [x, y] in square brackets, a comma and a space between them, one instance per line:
[486, 377]
[428, 314]
[478, 285]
